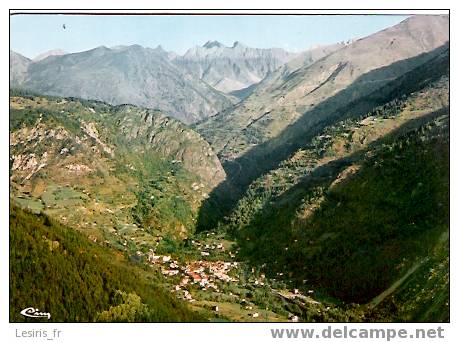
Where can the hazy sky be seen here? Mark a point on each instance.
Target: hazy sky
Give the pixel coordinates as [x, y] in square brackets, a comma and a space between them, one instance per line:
[34, 34]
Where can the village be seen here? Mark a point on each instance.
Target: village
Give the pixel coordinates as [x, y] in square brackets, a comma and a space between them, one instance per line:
[191, 279]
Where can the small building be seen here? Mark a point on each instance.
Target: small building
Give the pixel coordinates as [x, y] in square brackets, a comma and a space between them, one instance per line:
[294, 318]
[166, 258]
[196, 277]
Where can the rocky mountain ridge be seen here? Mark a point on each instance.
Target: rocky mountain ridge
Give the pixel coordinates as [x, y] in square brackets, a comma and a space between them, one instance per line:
[232, 68]
[133, 74]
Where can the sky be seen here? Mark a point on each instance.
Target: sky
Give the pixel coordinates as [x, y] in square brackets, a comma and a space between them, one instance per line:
[31, 35]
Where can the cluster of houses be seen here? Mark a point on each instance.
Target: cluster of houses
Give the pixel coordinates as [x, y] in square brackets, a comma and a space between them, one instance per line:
[206, 275]
[207, 248]
[201, 273]
[206, 272]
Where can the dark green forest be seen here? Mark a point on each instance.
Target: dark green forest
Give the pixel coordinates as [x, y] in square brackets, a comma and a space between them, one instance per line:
[368, 229]
[58, 270]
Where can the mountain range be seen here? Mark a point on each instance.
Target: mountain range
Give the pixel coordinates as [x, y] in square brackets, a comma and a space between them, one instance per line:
[203, 82]
[189, 87]
[133, 74]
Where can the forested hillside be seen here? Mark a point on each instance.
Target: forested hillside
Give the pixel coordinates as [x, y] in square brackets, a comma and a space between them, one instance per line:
[58, 270]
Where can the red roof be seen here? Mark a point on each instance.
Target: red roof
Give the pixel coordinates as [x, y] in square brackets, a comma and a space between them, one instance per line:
[194, 276]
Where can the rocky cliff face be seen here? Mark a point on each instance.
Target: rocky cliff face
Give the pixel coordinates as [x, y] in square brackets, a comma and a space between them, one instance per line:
[232, 68]
[171, 138]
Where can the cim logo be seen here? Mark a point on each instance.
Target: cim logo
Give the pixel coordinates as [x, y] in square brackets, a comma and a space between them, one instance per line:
[35, 313]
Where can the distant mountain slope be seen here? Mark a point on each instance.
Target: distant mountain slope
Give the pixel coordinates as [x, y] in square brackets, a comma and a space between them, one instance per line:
[302, 59]
[58, 270]
[133, 74]
[314, 92]
[232, 68]
[107, 170]
[56, 52]
[18, 68]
